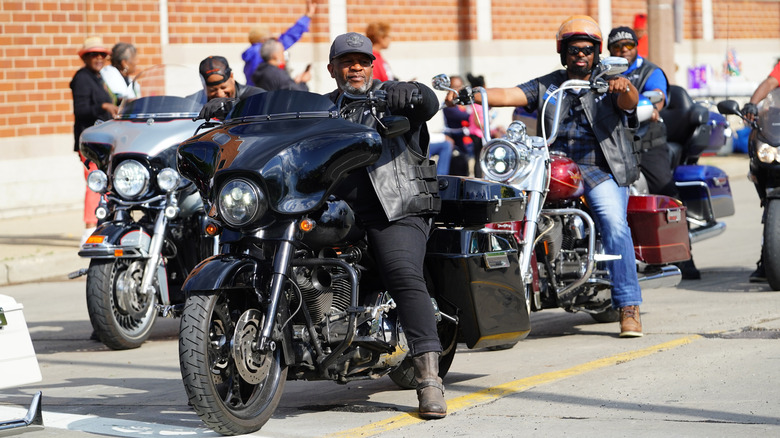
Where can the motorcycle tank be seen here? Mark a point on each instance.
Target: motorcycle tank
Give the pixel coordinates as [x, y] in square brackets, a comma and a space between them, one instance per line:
[291, 142]
[565, 179]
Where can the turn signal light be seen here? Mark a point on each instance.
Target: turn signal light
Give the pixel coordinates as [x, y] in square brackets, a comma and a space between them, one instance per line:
[95, 239]
[212, 230]
[307, 225]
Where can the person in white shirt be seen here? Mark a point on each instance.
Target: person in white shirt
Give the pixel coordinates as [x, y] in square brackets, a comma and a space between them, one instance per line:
[118, 75]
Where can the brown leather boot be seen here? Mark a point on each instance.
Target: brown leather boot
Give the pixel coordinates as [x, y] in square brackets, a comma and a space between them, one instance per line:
[630, 323]
[430, 391]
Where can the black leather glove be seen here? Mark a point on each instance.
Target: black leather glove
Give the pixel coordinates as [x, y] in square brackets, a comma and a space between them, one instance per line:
[750, 108]
[217, 108]
[400, 94]
[465, 95]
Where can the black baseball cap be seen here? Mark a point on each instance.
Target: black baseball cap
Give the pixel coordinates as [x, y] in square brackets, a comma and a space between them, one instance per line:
[351, 42]
[215, 65]
[620, 34]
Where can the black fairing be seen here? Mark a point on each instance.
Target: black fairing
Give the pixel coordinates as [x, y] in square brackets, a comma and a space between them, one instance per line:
[98, 153]
[297, 154]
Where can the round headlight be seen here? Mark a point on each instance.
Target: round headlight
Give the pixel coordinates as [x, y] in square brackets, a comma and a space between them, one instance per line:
[241, 202]
[766, 153]
[168, 179]
[131, 179]
[97, 181]
[500, 160]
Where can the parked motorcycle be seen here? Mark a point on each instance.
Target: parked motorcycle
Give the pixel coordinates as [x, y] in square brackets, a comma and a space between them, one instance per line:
[703, 189]
[763, 150]
[561, 255]
[149, 235]
[294, 292]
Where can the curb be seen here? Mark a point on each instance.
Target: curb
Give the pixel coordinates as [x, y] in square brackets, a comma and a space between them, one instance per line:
[40, 268]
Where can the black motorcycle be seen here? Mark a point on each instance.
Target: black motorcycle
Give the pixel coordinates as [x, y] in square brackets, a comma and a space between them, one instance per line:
[294, 293]
[149, 235]
[764, 152]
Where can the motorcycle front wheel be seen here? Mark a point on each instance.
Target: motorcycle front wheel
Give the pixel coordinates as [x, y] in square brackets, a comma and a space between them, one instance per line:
[233, 389]
[771, 251]
[121, 315]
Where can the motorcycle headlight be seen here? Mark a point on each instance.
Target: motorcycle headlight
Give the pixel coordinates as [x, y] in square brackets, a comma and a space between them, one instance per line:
[168, 179]
[241, 202]
[131, 179]
[97, 181]
[766, 153]
[501, 159]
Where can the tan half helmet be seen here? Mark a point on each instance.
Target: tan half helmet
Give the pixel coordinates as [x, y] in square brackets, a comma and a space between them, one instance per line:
[578, 27]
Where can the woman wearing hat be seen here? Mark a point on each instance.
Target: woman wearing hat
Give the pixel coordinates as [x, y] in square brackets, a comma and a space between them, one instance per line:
[92, 101]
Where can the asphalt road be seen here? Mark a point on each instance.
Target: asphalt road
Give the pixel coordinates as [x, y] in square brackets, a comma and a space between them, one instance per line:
[708, 365]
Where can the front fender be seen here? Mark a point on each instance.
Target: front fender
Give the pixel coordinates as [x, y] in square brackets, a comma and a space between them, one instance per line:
[118, 240]
[219, 272]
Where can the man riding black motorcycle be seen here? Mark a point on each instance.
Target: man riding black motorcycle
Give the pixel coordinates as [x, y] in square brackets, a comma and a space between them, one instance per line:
[393, 199]
[655, 160]
[602, 149]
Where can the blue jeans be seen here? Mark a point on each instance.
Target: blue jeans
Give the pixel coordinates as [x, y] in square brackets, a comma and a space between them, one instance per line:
[608, 203]
[443, 150]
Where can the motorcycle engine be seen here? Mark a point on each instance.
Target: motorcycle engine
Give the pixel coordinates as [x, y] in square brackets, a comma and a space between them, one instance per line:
[325, 291]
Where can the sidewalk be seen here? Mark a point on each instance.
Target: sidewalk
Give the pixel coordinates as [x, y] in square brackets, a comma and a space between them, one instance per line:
[40, 247]
[45, 247]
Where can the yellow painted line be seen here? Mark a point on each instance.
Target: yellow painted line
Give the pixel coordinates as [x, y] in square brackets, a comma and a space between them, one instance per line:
[493, 393]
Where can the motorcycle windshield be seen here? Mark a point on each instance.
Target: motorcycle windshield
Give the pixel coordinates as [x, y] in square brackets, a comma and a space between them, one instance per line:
[163, 92]
[769, 117]
[283, 104]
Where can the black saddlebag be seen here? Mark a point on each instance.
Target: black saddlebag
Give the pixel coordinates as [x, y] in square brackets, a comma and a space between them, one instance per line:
[471, 202]
[475, 273]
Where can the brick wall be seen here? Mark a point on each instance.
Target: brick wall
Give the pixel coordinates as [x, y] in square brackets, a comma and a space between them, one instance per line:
[39, 38]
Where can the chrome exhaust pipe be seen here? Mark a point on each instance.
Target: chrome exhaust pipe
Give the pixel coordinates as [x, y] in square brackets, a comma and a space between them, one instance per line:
[667, 276]
[706, 232]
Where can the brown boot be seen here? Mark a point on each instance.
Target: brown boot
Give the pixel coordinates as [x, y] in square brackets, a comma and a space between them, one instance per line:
[630, 324]
[430, 391]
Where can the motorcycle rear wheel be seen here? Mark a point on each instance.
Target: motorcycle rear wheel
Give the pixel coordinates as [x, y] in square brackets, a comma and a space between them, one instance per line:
[115, 327]
[224, 400]
[771, 251]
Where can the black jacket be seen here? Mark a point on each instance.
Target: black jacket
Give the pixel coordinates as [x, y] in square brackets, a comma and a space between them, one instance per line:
[88, 98]
[272, 78]
[609, 123]
[403, 182]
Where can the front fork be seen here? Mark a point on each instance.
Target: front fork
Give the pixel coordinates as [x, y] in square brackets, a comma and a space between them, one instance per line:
[282, 262]
[155, 247]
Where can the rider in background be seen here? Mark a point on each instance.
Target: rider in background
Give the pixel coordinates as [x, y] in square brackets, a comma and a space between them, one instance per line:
[395, 216]
[654, 157]
[608, 166]
[750, 110]
[218, 81]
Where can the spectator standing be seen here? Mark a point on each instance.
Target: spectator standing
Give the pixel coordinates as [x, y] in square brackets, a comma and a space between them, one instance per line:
[92, 101]
[379, 34]
[118, 75]
[271, 76]
[251, 56]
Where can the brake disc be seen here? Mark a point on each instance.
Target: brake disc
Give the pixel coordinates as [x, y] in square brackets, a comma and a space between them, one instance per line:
[252, 365]
[128, 298]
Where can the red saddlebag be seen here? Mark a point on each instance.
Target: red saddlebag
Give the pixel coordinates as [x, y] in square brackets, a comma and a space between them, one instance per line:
[659, 228]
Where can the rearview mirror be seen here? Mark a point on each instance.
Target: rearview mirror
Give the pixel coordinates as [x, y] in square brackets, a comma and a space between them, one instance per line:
[441, 82]
[729, 107]
[610, 66]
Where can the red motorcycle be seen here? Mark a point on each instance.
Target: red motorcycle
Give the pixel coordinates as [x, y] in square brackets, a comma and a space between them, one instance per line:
[561, 255]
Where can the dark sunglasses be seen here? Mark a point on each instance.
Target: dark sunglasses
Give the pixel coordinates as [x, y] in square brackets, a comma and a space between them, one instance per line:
[587, 50]
[621, 46]
[94, 54]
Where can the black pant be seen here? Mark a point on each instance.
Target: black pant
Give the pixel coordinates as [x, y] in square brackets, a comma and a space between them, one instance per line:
[399, 250]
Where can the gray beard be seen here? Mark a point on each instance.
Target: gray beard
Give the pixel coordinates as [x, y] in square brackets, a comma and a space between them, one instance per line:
[362, 90]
